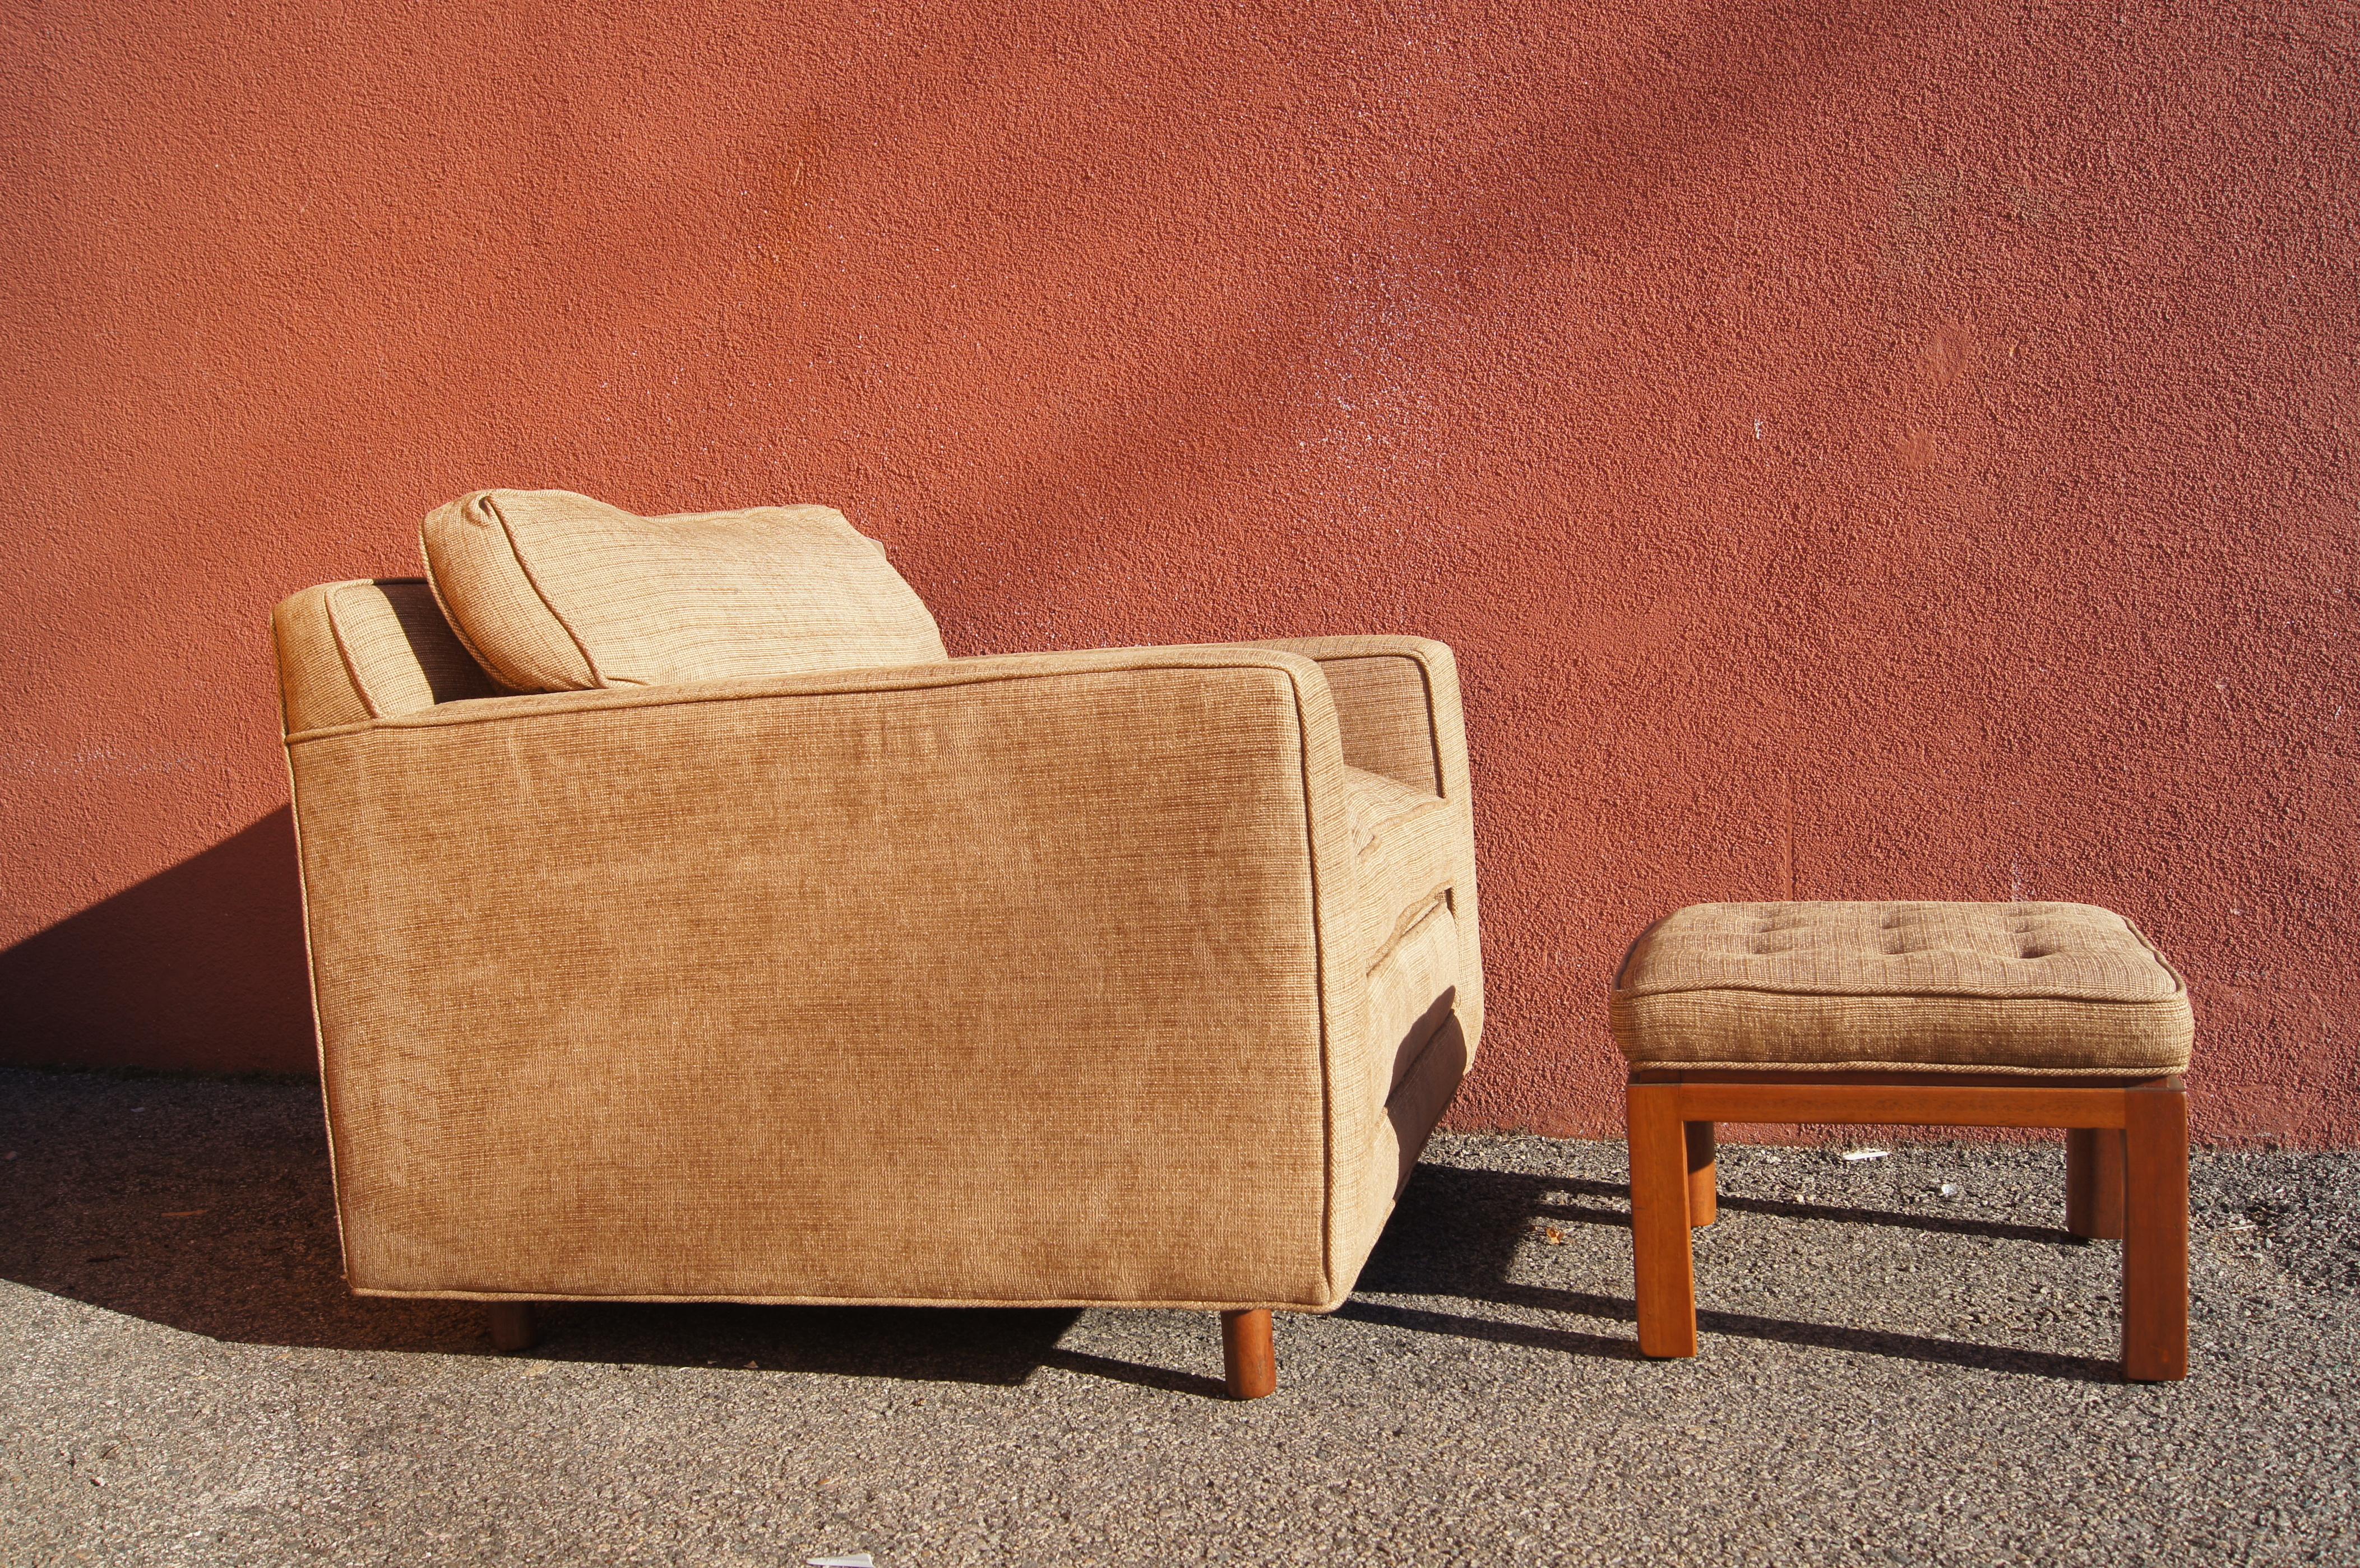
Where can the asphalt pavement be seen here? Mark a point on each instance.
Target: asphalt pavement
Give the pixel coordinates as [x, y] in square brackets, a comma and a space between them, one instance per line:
[1905, 1360]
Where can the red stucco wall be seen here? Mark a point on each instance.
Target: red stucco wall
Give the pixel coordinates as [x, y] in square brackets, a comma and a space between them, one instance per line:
[1857, 450]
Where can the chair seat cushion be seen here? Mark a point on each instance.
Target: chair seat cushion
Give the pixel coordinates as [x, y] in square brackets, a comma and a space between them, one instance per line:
[1374, 803]
[2062, 990]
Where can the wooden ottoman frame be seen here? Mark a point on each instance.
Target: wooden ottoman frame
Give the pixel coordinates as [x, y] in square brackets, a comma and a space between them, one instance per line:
[2126, 1175]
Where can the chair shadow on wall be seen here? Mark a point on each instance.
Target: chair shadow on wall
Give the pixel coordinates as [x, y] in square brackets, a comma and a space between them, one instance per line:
[198, 968]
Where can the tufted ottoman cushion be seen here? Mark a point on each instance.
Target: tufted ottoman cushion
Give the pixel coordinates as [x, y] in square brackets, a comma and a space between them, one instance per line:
[2064, 989]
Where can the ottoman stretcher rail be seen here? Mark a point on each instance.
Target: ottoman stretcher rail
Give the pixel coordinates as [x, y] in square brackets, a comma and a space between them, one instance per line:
[2153, 1115]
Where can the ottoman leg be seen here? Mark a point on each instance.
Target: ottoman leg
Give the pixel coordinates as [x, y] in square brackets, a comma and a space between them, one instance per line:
[2094, 1183]
[1704, 1194]
[1666, 1269]
[2154, 1234]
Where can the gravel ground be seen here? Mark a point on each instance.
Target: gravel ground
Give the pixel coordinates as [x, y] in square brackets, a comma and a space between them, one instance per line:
[1890, 1374]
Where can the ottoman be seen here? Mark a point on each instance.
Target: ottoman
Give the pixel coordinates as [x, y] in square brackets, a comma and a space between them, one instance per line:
[1932, 1014]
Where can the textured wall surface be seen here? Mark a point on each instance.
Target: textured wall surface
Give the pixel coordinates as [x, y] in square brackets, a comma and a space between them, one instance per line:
[1857, 450]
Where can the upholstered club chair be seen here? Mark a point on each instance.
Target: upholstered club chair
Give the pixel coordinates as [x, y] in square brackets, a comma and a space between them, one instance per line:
[686, 925]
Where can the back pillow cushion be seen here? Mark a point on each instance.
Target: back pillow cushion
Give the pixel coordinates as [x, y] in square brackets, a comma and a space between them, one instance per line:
[554, 592]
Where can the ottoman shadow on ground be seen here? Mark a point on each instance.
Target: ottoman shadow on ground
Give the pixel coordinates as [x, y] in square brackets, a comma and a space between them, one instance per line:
[1458, 1231]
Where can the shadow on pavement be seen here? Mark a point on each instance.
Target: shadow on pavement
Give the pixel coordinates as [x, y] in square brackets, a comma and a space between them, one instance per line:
[204, 1206]
[1549, 1207]
[1944, 1225]
[1457, 1230]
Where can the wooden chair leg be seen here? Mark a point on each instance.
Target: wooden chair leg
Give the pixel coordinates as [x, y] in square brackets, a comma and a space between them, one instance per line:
[1247, 1354]
[1664, 1267]
[2094, 1182]
[2154, 1234]
[1704, 1183]
[512, 1325]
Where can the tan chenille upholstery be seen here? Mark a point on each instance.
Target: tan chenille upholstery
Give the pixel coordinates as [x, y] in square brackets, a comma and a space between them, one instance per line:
[350, 651]
[1134, 977]
[555, 591]
[2062, 989]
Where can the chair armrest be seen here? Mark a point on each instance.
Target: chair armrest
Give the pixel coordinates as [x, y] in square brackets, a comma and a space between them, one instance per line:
[1396, 705]
[909, 979]
[1397, 712]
